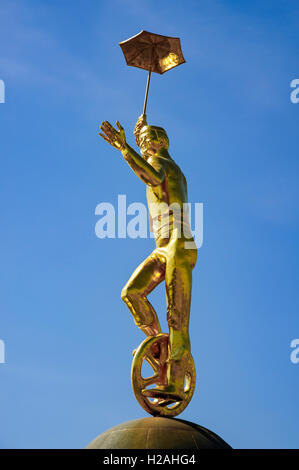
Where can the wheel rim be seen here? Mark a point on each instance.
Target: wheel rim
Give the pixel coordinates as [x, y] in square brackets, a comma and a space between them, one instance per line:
[156, 406]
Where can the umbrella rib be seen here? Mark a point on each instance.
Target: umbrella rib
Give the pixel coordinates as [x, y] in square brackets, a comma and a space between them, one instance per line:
[152, 52]
[136, 55]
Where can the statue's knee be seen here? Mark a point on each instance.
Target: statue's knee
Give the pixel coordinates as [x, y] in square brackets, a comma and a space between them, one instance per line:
[128, 295]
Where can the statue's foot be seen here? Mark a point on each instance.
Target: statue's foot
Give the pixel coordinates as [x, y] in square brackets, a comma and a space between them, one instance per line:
[168, 393]
[165, 401]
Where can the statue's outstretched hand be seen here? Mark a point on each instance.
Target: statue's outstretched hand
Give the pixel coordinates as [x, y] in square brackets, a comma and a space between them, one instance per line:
[115, 138]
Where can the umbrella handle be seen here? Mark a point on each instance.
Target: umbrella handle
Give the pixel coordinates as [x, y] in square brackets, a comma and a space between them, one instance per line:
[146, 91]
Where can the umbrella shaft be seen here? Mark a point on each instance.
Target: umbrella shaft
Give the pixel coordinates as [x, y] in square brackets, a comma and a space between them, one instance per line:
[146, 92]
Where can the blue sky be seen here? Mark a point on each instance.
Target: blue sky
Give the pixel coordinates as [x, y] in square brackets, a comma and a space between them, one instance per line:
[234, 132]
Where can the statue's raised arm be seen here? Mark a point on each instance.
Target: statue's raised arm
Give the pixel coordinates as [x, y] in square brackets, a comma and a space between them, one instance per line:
[146, 172]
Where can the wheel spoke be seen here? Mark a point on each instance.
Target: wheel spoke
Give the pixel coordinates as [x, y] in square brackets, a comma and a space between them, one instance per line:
[154, 363]
[149, 380]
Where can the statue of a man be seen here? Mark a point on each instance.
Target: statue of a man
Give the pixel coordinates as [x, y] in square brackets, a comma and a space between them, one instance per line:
[175, 254]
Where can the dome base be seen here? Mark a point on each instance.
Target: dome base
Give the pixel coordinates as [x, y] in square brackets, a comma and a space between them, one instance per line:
[158, 433]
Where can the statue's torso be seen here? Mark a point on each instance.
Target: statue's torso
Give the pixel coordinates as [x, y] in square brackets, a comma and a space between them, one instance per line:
[168, 201]
[173, 189]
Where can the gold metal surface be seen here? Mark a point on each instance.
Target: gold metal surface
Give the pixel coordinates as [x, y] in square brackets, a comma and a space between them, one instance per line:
[168, 355]
[153, 52]
[158, 401]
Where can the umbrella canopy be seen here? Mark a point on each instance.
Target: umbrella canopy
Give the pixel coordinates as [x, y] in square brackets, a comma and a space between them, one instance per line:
[152, 52]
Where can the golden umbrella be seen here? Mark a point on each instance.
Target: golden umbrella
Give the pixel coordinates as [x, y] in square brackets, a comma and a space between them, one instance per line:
[152, 52]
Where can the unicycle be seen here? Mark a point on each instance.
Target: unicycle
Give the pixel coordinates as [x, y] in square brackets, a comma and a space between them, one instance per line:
[154, 351]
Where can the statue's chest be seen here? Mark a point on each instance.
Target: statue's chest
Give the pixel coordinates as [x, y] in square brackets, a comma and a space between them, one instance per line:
[157, 194]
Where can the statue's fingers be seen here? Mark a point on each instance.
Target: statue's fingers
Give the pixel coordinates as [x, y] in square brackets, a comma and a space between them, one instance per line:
[111, 128]
[110, 135]
[141, 119]
[104, 134]
[105, 138]
[119, 126]
[106, 125]
[107, 131]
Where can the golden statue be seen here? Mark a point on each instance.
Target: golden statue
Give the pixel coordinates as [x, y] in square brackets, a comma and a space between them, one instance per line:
[172, 261]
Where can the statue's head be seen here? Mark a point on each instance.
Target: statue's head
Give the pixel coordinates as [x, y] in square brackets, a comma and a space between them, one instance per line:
[150, 138]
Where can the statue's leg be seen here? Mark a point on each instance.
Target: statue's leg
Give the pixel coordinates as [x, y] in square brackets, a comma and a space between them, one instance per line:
[144, 279]
[178, 280]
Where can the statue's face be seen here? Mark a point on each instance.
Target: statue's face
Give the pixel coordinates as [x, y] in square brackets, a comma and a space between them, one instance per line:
[152, 139]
